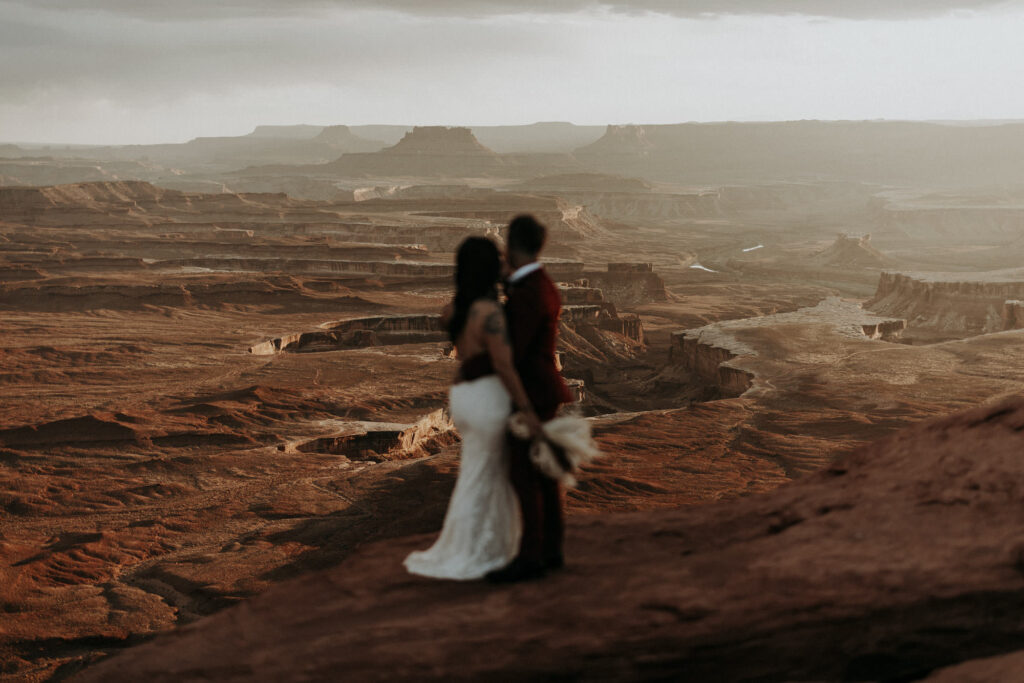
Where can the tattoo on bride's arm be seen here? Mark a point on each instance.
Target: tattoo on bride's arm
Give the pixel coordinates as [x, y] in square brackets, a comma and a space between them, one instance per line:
[495, 324]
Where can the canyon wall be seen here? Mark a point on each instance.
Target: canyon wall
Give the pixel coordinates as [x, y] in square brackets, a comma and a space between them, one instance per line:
[954, 305]
[707, 359]
[1013, 314]
[627, 284]
[886, 330]
[358, 332]
[380, 442]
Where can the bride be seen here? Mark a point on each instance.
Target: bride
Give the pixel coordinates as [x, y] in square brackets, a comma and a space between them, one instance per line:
[482, 526]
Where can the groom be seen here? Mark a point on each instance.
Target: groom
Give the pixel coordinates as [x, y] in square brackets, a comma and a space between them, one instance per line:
[532, 310]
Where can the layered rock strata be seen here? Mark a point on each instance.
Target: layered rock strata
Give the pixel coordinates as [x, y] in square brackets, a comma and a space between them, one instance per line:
[950, 304]
[1013, 314]
[626, 284]
[358, 332]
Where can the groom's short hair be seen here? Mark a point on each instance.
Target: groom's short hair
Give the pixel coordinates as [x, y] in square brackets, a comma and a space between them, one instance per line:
[526, 234]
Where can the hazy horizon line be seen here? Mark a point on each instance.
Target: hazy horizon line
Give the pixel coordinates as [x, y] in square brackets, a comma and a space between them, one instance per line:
[939, 121]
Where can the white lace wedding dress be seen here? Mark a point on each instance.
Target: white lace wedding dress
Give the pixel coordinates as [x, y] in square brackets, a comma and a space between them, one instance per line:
[482, 527]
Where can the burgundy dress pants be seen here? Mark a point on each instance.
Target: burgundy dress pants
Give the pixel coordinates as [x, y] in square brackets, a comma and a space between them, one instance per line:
[540, 500]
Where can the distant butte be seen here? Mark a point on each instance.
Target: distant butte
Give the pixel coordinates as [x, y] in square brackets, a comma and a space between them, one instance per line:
[439, 140]
[617, 141]
[446, 152]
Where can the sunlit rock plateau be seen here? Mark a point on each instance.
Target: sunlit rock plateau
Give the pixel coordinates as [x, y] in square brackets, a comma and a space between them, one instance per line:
[225, 380]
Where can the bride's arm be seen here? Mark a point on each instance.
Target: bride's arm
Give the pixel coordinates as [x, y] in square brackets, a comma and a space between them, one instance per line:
[499, 348]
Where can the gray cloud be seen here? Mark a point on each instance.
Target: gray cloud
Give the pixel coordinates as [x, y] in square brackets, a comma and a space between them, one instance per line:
[187, 10]
[140, 70]
[130, 59]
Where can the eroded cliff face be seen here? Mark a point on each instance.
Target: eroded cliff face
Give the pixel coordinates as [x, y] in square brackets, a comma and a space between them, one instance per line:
[595, 339]
[950, 305]
[1013, 314]
[851, 252]
[627, 141]
[380, 442]
[438, 140]
[886, 330]
[626, 284]
[425, 150]
[708, 357]
[357, 333]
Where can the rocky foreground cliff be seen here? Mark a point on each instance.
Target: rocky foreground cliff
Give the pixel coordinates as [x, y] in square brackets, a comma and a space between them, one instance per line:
[899, 559]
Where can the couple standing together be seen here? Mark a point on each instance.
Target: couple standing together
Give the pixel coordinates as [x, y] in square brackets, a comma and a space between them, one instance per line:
[504, 520]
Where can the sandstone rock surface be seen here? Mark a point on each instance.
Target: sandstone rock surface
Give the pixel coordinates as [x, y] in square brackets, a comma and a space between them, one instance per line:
[898, 559]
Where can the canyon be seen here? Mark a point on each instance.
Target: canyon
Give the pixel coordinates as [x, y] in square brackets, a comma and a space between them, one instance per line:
[225, 409]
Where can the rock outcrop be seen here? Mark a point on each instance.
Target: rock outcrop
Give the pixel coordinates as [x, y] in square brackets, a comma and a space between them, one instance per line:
[381, 442]
[851, 252]
[439, 140]
[596, 340]
[617, 143]
[358, 333]
[950, 305]
[838, 576]
[707, 358]
[425, 151]
[1013, 314]
[626, 284]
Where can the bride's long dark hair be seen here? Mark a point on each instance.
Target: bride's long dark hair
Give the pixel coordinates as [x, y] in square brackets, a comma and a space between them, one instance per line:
[477, 270]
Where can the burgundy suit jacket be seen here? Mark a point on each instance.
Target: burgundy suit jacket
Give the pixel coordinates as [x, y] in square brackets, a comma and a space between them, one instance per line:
[533, 309]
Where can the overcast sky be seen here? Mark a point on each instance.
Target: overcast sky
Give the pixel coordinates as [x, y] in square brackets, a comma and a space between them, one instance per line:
[136, 71]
